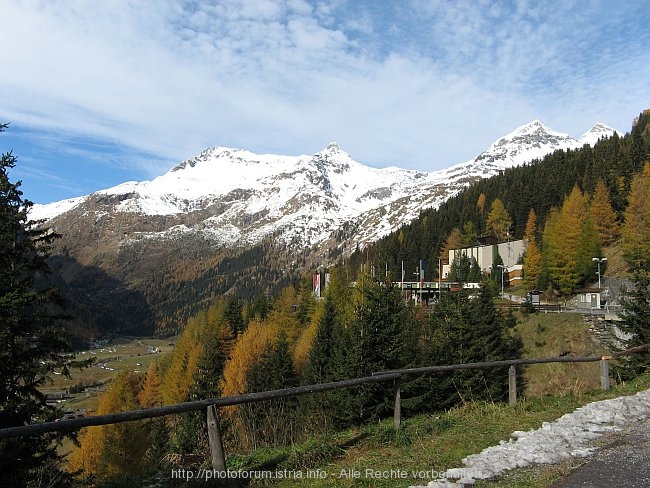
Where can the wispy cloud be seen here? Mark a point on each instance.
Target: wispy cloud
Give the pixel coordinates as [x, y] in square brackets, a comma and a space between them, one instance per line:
[421, 84]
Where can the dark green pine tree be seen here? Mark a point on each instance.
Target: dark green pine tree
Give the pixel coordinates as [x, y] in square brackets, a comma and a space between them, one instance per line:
[636, 322]
[319, 367]
[234, 317]
[272, 422]
[317, 411]
[490, 332]
[32, 339]
[190, 436]
[306, 302]
[347, 358]
[475, 274]
[443, 343]
[460, 270]
[496, 273]
[259, 308]
[388, 341]
[588, 248]
[463, 330]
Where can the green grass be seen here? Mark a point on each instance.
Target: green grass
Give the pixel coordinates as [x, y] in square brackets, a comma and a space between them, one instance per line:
[427, 443]
[435, 443]
[121, 354]
[551, 335]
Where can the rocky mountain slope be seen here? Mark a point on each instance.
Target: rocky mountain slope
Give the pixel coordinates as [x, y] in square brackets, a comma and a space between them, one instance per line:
[230, 220]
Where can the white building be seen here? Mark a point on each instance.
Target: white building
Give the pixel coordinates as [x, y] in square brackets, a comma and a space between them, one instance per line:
[485, 250]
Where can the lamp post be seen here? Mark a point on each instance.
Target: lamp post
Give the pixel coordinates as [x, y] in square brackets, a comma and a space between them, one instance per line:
[503, 270]
[599, 260]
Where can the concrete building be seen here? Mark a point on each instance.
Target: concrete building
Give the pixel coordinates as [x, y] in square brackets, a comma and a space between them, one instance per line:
[485, 249]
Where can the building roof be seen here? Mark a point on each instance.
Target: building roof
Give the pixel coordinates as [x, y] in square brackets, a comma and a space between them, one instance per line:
[486, 241]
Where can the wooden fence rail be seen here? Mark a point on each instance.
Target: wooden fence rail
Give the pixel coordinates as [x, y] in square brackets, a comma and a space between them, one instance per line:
[212, 404]
[114, 418]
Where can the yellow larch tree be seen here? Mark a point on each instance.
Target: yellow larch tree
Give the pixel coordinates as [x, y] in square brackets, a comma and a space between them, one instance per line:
[454, 241]
[602, 215]
[115, 450]
[247, 350]
[562, 241]
[304, 342]
[179, 374]
[531, 226]
[533, 255]
[498, 221]
[480, 203]
[636, 229]
[150, 396]
[283, 316]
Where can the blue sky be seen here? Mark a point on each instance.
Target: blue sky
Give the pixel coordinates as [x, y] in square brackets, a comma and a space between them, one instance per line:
[102, 92]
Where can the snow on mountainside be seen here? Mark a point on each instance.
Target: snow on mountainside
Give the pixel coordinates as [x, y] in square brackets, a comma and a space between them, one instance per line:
[597, 132]
[233, 197]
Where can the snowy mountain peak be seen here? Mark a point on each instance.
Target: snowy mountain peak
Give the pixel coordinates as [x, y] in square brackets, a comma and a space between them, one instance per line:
[333, 152]
[597, 132]
[236, 197]
[333, 147]
[534, 128]
[530, 141]
[534, 140]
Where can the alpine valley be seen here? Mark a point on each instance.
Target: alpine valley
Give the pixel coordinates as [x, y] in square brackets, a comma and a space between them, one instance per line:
[141, 257]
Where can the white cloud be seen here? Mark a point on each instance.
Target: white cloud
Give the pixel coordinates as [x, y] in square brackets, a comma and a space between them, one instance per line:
[425, 84]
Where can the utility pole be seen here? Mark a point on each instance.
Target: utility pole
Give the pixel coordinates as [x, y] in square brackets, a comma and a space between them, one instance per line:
[599, 260]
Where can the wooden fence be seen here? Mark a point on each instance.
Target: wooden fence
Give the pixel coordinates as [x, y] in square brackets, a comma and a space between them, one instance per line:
[539, 307]
[212, 404]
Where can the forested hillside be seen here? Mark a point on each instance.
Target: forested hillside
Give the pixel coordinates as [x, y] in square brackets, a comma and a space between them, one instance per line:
[233, 347]
[160, 284]
[541, 186]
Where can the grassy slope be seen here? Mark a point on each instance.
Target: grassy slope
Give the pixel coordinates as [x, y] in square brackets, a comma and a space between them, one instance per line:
[121, 354]
[550, 335]
[429, 443]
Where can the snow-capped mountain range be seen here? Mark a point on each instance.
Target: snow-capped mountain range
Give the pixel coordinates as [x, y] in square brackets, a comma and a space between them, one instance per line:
[233, 197]
[142, 257]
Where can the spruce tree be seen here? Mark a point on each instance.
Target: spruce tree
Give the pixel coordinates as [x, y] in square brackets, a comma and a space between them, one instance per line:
[636, 249]
[443, 343]
[387, 339]
[32, 340]
[460, 270]
[233, 316]
[636, 323]
[588, 248]
[319, 367]
[317, 411]
[490, 332]
[463, 330]
[271, 422]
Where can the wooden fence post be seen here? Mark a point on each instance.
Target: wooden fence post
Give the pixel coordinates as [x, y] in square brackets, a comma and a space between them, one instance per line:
[397, 412]
[512, 385]
[216, 444]
[604, 374]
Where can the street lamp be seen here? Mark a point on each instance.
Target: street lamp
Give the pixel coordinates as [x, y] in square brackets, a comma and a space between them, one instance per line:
[599, 260]
[503, 270]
